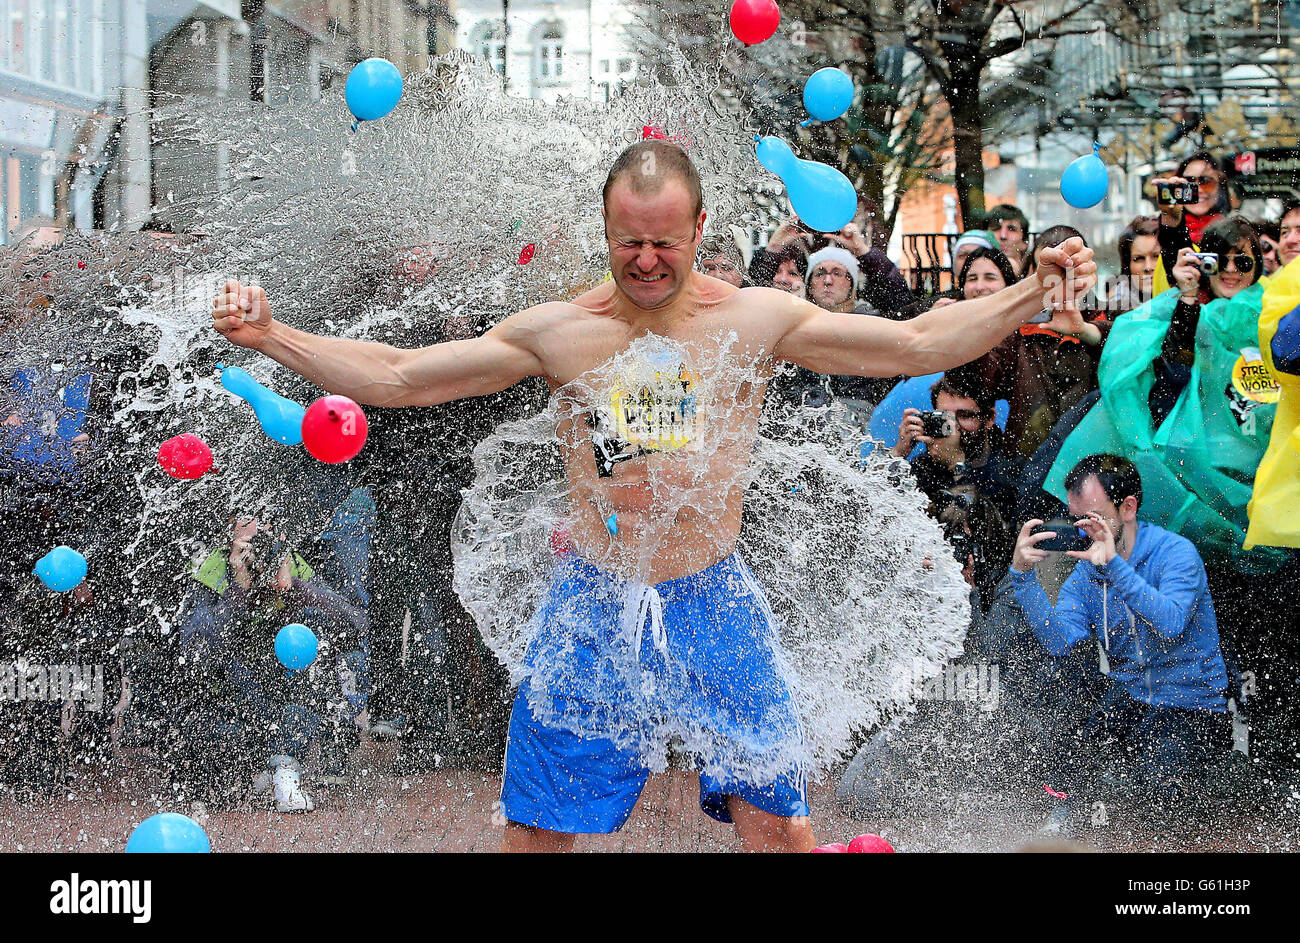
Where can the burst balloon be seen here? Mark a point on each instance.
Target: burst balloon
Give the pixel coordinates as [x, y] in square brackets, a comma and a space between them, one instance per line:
[334, 429]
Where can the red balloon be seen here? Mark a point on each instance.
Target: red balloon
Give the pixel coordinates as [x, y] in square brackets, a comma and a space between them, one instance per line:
[185, 456]
[334, 429]
[561, 541]
[753, 21]
[526, 255]
[870, 844]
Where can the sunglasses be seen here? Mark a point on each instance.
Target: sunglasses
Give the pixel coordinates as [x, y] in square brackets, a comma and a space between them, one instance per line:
[1203, 181]
[1243, 263]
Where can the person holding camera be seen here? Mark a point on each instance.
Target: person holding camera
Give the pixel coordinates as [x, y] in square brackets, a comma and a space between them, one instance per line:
[969, 479]
[1229, 263]
[1141, 594]
[246, 594]
[1190, 200]
[875, 279]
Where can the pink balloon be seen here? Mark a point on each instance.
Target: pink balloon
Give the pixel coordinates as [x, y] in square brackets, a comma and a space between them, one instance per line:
[334, 429]
[870, 844]
[185, 456]
[835, 849]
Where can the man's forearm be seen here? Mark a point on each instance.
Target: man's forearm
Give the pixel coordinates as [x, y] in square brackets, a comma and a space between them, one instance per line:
[961, 332]
[364, 371]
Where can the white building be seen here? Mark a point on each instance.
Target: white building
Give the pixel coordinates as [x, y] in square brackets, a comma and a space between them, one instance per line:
[78, 79]
[551, 48]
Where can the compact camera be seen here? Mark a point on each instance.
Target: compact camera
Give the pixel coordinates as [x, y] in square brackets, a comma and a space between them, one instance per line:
[1208, 262]
[265, 552]
[937, 423]
[1179, 194]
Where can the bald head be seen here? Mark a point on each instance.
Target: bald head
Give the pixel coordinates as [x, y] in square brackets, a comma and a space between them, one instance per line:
[648, 165]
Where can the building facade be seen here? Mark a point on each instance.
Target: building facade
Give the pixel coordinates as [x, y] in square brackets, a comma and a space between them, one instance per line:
[551, 48]
[78, 79]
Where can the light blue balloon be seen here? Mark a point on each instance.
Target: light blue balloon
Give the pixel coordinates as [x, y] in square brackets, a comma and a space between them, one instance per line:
[296, 646]
[1085, 182]
[373, 89]
[61, 569]
[821, 196]
[168, 833]
[281, 418]
[828, 93]
[774, 154]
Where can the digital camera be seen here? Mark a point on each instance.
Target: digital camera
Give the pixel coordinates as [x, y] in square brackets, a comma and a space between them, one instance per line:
[1208, 262]
[1179, 194]
[937, 423]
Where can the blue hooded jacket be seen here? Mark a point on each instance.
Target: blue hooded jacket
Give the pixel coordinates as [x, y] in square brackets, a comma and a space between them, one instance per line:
[1152, 614]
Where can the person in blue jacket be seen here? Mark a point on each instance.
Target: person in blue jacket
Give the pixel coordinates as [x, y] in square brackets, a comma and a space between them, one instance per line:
[1140, 594]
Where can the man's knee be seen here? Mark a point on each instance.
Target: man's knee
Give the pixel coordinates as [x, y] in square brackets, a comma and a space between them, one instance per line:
[530, 838]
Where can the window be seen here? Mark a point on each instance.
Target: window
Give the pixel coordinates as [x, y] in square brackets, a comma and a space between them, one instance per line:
[604, 66]
[489, 44]
[550, 54]
[626, 66]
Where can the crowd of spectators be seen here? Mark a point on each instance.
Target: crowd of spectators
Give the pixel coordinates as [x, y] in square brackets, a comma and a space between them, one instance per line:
[1046, 441]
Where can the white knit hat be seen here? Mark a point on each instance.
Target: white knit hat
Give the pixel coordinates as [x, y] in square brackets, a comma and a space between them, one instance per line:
[835, 254]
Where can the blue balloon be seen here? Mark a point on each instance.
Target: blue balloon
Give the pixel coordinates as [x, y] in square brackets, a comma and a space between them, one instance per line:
[61, 569]
[828, 93]
[373, 89]
[821, 196]
[1085, 182]
[168, 833]
[296, 646]
[281, 418]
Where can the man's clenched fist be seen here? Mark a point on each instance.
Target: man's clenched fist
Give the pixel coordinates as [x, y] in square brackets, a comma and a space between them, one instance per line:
[242, 314]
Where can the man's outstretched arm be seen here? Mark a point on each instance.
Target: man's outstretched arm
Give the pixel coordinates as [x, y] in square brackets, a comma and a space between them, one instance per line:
[827, 342]
[377, 374]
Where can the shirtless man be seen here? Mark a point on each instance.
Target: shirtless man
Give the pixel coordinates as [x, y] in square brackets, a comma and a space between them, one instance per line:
[556, 783]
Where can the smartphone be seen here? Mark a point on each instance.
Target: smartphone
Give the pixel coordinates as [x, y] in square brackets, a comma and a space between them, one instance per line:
[1068, 537]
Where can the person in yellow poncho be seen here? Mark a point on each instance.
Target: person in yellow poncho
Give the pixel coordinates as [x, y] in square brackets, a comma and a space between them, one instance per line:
[1274, 508]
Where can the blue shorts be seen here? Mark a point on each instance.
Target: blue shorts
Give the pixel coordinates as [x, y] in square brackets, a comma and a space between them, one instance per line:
[618, 669]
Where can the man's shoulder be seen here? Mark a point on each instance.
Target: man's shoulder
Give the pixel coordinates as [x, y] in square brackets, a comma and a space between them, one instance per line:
[1164, 541]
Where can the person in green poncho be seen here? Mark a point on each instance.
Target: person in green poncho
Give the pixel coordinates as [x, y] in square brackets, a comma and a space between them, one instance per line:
[1174, 402]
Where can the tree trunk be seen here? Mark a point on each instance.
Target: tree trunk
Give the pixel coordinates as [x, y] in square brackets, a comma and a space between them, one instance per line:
[963, 96]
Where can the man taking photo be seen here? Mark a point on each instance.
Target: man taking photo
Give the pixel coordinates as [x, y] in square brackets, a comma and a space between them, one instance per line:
[1141, 594]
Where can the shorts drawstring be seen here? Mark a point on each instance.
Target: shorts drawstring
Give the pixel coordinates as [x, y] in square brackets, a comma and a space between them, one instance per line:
[648, 603]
